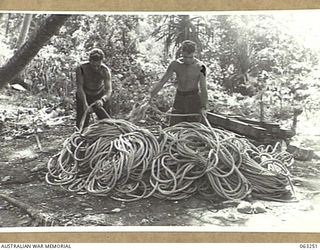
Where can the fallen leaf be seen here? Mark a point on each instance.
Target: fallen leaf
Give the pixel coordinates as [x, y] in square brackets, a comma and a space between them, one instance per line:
[116, 210]
[18, 87]
[6, 178]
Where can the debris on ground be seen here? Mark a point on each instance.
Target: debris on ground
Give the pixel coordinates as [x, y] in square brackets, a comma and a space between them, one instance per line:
[23, 169]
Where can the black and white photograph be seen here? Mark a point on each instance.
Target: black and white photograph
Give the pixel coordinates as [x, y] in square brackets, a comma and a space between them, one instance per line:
[160, 121]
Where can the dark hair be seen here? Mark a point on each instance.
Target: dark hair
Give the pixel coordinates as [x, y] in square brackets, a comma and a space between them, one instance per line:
[96, 55]
[188, 46]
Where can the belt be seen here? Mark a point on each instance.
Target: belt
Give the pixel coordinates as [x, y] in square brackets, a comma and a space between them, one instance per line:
[186, 93]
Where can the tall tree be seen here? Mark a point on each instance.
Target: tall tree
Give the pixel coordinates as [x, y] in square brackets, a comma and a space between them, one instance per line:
[7, 25]
[176, 29]
[24, 30]
[31, 47]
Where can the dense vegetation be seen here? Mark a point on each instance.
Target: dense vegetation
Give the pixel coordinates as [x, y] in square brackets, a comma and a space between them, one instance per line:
[257, 66]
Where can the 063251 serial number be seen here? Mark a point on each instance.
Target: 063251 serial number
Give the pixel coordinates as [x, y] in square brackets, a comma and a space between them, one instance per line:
[308, 246]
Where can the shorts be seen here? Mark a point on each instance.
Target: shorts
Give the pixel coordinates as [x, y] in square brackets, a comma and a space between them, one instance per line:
[188, 102]
[91, 99]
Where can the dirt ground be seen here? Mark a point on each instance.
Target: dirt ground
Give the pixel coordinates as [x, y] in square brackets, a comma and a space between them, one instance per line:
[35, 203]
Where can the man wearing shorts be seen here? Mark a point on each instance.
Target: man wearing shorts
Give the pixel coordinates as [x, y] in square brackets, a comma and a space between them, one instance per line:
[191, 95]
[93, 80]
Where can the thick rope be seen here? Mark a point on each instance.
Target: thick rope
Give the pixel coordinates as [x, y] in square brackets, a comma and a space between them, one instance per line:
[119, 159]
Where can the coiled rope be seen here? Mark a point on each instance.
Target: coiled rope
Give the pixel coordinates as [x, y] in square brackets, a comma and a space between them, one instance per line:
[116, 158]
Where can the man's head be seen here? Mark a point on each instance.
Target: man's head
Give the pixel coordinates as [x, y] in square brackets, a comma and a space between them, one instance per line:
[95, 57]
[188, 49]
[188, 46]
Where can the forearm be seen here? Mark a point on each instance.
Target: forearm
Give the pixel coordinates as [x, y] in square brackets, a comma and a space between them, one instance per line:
[82, 96]
[158, 86]
[107, 85]
[79, 83]
[204, 98]
[108, 92]
[203, 93]
[155, 89]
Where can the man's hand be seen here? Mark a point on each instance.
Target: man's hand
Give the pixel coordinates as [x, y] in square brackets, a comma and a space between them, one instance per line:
[203, 111]
[105, 98]
[98, 103]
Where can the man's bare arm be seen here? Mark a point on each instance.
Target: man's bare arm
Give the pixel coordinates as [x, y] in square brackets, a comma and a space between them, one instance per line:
[107, 85]
[203, 87]
[158, 86]
[80, 90]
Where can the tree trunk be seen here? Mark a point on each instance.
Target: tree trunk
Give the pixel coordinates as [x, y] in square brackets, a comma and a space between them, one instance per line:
[19, 78]
[24, 30]
[7, 25]
[29, 49]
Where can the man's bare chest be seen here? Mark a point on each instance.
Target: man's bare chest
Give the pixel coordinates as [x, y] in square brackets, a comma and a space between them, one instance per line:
[92, 76]
[191, 72]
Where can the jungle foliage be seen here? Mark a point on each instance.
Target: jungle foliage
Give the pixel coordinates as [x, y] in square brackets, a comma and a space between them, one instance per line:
[257, 67]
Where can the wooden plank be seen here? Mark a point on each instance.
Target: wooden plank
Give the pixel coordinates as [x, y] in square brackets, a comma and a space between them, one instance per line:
[239, 127]
[285, 133]
[273, 128]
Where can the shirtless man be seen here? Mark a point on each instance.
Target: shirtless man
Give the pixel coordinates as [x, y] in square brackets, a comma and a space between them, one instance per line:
[93, 80]
[191, 96]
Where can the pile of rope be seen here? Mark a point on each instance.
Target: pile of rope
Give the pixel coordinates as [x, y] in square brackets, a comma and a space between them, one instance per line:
[116, 158]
